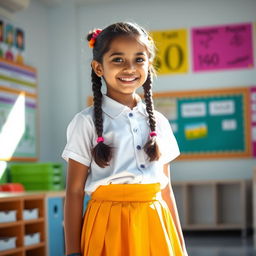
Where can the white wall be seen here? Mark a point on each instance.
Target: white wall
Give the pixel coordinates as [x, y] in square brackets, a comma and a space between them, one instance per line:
[35, 23]
[59, 51]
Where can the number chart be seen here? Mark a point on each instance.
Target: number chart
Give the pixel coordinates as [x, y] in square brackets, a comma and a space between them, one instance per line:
[172, 51]
[222, 47]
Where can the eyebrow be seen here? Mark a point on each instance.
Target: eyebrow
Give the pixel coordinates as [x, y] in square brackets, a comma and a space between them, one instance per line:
[121, 53]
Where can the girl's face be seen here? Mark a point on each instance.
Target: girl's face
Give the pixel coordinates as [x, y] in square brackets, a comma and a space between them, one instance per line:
[124, 67]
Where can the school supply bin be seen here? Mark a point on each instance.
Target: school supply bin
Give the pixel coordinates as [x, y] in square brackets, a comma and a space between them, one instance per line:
[7, 243]
[11, 187]
[8, 216]
[38, 176]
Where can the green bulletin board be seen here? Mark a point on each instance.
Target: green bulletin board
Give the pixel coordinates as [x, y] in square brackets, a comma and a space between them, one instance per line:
[208, 123]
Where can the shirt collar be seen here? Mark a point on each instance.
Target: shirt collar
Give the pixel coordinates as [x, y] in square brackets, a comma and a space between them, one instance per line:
[114, 108]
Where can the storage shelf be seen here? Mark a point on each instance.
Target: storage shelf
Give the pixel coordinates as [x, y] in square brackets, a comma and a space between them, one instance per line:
[12, 251]
[34, 246]
[28, 222]
[211, 227]
[11, 224]
[214, 204]
[19, 228]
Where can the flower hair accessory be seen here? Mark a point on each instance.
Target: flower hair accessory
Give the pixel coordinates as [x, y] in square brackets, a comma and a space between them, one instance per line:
[94, 36]
[99, 139]
[153, 133]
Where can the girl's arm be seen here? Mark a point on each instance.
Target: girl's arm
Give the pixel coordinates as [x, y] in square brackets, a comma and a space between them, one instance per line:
[168, 196]
[73, 207]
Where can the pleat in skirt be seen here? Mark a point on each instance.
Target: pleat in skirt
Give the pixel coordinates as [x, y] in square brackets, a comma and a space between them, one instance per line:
[129, 220]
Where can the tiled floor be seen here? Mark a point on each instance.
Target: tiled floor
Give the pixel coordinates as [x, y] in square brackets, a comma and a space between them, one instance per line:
[219, 244]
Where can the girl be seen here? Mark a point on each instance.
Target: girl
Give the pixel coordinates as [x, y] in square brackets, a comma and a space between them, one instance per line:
[118, 152]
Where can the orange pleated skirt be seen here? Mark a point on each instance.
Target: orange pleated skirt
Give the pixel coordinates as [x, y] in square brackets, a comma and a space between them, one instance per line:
[129, 220]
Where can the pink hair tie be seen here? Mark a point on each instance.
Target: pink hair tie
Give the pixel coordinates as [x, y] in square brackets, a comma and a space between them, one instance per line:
[99, 139]
[153, 134]
[96, 33]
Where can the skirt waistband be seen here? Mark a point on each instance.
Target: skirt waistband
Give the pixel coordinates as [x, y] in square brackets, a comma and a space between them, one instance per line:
[127, 192]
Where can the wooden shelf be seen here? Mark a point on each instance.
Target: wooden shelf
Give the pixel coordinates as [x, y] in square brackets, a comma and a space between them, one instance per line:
[11, 224]
[214, 204]
[18, 229]
[12, 251]
[34, 246]
[39, 220]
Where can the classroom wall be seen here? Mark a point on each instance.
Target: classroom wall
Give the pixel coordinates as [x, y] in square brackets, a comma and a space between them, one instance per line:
[34, 21]
[64, 75]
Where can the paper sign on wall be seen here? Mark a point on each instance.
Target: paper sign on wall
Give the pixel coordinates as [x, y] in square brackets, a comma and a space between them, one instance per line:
[172, 51]
[222, 47]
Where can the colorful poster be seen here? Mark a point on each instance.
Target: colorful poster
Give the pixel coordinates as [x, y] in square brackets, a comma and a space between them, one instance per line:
[222, 47]
[18, 77]
[172, 51]
[17, 125]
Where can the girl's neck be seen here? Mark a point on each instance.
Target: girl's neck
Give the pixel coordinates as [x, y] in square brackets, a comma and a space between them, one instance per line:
[127, 100]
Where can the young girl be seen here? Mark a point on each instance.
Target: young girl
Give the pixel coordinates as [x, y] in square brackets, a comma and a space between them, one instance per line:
[118, 152]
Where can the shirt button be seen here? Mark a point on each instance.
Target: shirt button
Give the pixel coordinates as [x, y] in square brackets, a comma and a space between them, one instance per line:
[142, 166]
[130, 114]
[138, 147]
[135, 129]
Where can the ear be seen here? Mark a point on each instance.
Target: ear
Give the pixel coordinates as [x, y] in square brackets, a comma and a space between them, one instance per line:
[97, 67]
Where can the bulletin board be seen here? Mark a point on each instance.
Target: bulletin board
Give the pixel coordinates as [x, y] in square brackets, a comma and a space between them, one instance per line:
[18, 112]
[209, 123]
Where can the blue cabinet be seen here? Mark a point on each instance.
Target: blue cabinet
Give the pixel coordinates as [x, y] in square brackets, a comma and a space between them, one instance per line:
[55, 226]
[86, 199]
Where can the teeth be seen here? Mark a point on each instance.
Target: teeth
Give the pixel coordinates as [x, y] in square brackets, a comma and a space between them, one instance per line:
[127, 79]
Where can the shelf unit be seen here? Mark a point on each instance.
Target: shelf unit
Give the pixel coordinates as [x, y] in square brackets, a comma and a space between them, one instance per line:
[214, 204]
[21, 227]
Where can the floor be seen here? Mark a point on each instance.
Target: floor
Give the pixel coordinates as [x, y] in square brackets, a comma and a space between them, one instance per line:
[216, 243]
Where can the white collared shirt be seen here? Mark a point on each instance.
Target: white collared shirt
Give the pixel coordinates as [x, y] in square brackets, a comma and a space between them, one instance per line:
[126, 131]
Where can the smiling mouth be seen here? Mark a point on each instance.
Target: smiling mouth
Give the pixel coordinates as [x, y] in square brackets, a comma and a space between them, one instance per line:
[128, 79]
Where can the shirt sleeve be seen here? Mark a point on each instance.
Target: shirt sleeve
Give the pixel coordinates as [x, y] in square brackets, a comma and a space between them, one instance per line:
[168, 143]
[79, 140]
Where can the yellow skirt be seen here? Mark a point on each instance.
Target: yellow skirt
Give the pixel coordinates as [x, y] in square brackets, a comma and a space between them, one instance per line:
[129, 220]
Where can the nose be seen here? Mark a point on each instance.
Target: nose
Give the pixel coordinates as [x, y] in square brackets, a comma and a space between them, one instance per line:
[129, 67]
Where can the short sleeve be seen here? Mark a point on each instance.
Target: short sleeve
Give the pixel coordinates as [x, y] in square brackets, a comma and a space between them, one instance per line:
[168, 143]
[79, 140]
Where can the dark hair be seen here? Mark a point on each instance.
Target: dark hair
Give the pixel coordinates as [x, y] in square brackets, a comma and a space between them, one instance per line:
[102, 153]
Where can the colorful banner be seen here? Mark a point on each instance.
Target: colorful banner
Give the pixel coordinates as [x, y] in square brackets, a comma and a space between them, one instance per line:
[172, 51]
[18, 77]
[222, 47]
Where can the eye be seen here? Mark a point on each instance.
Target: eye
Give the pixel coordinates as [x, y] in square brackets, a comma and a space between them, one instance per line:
[118, 59]
[140, 59]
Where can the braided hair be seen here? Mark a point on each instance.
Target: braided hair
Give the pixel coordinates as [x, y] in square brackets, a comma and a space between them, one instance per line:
[102, 153]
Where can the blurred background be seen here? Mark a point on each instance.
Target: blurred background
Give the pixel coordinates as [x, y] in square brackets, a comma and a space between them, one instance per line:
[206, 87]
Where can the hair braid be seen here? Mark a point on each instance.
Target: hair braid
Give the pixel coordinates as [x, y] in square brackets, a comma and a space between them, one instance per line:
[102, 153]
[151, 147]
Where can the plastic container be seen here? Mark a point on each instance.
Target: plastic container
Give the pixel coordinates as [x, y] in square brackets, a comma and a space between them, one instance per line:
[7, 243]
[30, 214]
[38, 176]
[33, 238]
[12, 187]
[8, 216]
